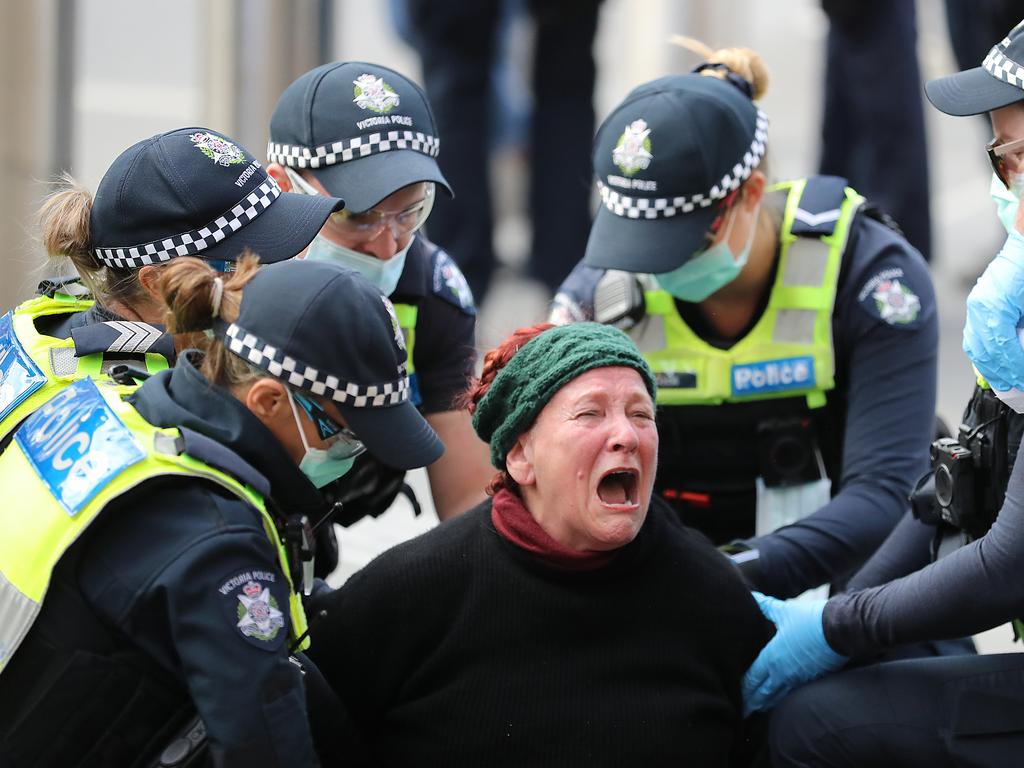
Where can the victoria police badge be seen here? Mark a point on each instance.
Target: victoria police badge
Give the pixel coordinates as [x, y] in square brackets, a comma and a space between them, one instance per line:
[374, 94]
[219, 150]
[632, 153]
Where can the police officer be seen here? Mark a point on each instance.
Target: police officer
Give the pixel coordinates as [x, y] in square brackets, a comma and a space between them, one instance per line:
[366, 133]
[210, 198]
[792, 330]
[169, 534]
[925, 712]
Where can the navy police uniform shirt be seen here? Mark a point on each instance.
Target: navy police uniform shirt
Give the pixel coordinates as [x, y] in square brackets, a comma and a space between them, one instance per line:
[444, 352]
[186, 571]
[885, 335]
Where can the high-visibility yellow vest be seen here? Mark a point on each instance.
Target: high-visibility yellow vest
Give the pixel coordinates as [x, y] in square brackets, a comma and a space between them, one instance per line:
[407, 314]
[83, 448]
[34, 367]
[787, 353]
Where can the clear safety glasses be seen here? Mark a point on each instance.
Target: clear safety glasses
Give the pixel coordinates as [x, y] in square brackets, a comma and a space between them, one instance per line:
[367, 226]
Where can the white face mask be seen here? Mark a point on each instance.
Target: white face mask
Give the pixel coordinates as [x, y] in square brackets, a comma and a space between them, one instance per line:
[383, 274]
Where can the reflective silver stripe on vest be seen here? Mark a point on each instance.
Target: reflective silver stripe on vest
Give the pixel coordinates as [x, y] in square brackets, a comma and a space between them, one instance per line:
[794, 326]
[63, 361]
[806, 262]
[649, 334]
[17, 613]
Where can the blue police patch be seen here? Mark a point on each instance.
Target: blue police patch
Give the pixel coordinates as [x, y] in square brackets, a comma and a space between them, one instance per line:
[255, 601]
[450, 284]
[19, 375]
[77, 444]
[773, 376]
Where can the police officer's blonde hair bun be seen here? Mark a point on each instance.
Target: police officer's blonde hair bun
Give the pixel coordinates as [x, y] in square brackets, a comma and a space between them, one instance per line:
[744, 62]
[64, 224]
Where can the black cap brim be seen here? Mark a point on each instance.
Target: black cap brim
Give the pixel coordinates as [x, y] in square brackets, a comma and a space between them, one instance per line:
[399, 436]
[281, 232]
[971, 92]
[365, 182]
[646, 245]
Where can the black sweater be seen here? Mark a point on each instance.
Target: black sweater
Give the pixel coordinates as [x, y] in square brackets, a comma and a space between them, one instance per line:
[459, 648]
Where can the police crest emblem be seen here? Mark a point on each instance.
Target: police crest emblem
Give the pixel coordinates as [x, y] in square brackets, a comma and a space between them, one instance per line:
[632, 152]
[374, 94]
[896, 303]
[221, 151]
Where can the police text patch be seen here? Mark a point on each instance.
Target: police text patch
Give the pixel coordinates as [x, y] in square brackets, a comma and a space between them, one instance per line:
[791, 373]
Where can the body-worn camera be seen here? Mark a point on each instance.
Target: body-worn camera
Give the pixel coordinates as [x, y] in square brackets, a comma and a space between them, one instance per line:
[967, 482]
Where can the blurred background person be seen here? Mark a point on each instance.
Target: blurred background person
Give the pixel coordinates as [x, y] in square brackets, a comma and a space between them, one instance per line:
[457, 45]
[873, 131]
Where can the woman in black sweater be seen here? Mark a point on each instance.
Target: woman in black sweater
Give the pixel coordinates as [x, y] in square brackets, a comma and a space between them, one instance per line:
[566, 620]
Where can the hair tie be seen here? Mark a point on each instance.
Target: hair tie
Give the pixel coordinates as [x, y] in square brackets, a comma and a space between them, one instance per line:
[731, 76]
[218, 294]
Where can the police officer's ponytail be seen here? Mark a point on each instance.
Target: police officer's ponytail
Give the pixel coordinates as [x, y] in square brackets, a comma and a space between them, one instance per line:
[742, 62]
[65, 232]
[196, 295]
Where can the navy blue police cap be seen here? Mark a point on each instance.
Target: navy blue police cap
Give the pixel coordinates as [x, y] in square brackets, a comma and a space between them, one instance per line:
[325, 329]
[196, 192]
[998, 82]
[365, 131]
[665, 160]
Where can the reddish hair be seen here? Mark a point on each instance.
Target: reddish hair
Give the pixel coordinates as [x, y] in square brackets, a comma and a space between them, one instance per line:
[494, 361]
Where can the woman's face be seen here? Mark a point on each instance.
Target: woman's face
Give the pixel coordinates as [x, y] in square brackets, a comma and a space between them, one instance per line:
[586, 467]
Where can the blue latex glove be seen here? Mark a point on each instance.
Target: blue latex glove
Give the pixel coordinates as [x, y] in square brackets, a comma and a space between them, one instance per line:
[797, 654]
[995, 309]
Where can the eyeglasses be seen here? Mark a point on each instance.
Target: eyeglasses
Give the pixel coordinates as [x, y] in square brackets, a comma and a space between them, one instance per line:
[328, 429]
[367, 226]
[998, 157]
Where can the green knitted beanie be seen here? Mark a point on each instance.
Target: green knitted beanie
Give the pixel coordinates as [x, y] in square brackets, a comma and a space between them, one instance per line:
[544, 365]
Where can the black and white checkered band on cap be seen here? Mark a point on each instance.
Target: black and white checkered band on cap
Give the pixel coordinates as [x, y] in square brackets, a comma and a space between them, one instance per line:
[196, 241]
[1000, 66]
[665, 207]
[274, 361]
[351, 149]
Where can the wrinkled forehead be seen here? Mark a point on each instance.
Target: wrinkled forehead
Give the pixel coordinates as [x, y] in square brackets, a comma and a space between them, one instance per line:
[612, 383]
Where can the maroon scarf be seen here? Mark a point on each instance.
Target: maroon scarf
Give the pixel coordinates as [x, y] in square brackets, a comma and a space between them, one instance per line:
[513, 521]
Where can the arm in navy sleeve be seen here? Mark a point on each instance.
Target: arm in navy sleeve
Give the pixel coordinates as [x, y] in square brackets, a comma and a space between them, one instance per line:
[172, 579]
[977, 587]
[445, 352]
[891, 370]
[907, 549]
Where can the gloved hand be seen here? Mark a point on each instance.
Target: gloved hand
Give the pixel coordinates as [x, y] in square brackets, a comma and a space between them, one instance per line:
[995, 308]
[797, 654]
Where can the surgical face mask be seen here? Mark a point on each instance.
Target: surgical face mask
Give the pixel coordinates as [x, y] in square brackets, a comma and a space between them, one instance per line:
[1007, 200]
[383, 274]
[711, 269]
[324, 465]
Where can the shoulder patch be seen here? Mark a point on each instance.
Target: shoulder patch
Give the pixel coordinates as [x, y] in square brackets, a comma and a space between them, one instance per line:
[888, 295]
[255, 603]
[450, 284]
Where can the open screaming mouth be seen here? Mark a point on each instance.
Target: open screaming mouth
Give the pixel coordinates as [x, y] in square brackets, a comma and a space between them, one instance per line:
[619, 487]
